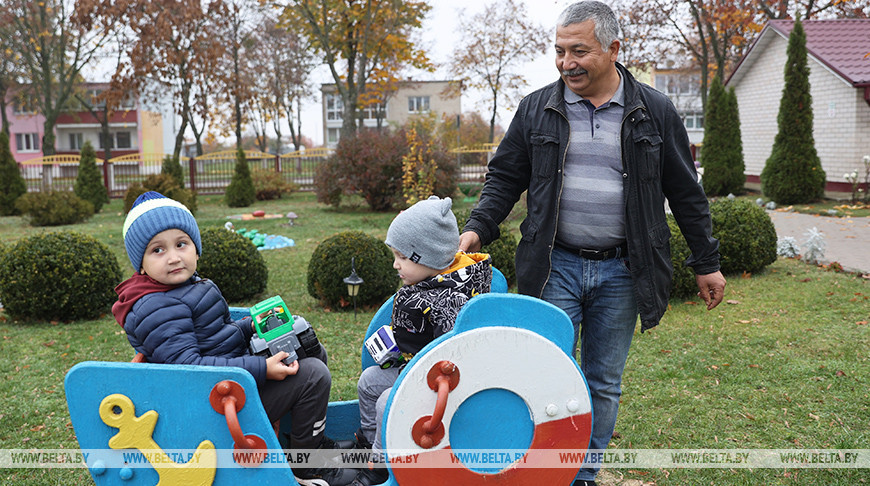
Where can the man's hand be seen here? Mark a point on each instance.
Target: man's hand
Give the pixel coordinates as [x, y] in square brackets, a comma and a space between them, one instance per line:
[277, 370]
[712, 288]
[469, 242]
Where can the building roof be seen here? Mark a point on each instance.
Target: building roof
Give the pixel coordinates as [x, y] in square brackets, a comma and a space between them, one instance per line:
[841, 45]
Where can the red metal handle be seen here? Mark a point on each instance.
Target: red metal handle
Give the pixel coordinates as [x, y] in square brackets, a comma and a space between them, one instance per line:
[227, 398]
[428, 431]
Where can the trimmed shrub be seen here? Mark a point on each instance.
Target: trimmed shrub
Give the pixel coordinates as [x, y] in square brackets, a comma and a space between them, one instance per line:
[269, 184]
[503, 250]
[747, 236]
[793, 173]
[331, 263]
[54, 208]
[240, 192]
[683, 284]
[12, 185]
[89, 182]
[233, 263]
[172, 167]
[58, 276]
[164, 184]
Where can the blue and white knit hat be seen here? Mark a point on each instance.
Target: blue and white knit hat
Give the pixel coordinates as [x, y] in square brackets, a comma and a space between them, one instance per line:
[426, 233]
[151, 214]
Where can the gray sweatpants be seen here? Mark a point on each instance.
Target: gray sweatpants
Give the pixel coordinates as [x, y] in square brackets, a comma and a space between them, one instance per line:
[305, 395]
[373, 389]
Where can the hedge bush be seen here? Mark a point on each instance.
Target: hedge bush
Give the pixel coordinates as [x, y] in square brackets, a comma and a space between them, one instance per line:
[747, 236]
[89, 182]
[58, 276]
[240, 192]
[233, 263]
[54, 208]
[331, 263]
[12, 185]
[503, 250]
[164, 184]
[683, 284]
[269, 185]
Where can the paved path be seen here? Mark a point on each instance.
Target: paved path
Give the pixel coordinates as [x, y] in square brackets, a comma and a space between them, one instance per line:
[847, 239]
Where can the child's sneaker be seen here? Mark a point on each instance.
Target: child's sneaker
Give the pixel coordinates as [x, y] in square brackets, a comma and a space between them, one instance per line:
[326, 476]
[371, 476]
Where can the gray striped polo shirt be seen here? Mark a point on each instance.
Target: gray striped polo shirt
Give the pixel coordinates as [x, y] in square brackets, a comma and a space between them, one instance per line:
[592, 209]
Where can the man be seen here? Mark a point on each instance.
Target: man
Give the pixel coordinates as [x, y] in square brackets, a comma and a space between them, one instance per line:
[598, 153]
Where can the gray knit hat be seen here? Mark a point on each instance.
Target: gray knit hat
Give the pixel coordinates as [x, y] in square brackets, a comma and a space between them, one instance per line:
[151, 214]
[426, 233]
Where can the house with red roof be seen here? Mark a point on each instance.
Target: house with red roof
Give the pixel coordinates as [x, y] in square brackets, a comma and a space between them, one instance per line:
[839, 85]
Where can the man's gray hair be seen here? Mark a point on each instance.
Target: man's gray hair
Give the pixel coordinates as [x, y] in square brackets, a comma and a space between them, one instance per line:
[606, 25]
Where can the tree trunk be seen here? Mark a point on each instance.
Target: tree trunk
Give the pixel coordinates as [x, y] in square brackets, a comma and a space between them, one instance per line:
[4, 124]
[48, 138]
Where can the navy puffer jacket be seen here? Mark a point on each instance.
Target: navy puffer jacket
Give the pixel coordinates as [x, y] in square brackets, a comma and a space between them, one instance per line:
[191, 324]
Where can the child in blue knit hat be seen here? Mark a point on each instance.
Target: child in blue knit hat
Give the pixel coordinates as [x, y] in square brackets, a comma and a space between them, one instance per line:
[171, 315]
[438, 280]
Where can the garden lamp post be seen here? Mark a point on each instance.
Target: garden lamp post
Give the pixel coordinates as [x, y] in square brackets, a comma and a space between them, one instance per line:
[353, 281]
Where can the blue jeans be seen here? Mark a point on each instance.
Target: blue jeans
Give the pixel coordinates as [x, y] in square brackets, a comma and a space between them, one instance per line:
[599, 298]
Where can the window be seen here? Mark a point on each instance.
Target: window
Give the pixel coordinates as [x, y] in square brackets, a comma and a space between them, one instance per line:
[76, 140]
[374, 112]
[27, 142]
[678, 84]
[418, 104]
[119, 140]
[332, 135]
[334, 107]
[24, 105]
[694, 121]
[122, 140]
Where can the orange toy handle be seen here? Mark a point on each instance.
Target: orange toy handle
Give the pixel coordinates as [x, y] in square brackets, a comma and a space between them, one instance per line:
[227, 398]
[429, 430]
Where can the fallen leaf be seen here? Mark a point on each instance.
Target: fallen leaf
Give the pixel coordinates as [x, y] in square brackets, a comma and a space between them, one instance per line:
[840, 373]
[806, 280]
[744, 321]
[49, 344]
[714, 367]
[690, 302]
[753, 366]
[813, 416]
[666, 351]
[861, 323]
[746, 275]
[732, 302]
[37, 428]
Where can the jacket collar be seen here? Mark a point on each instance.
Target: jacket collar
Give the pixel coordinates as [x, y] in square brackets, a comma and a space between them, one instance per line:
[631, 93]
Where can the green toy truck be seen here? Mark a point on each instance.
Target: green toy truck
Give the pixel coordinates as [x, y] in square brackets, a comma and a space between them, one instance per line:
[277, 330]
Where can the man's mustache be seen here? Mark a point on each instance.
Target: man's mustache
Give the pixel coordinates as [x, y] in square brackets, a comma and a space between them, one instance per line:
[573, 72]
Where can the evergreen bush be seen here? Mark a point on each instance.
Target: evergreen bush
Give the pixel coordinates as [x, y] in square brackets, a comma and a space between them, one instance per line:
[269, 185]
[12, 185]
[233, 263]
[164, 184]
[503, 250]
[61, 276]
[746, 234]
[54, 208]
[89, 182]
[172, 167]
[722, 150]
[793, 173]
[683, 284]
[331, 263]
[240, 192]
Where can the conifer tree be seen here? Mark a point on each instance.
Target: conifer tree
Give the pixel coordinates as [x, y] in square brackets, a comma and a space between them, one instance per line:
[722, 151]
[172, 167]
[240, 192]
[89, 182]
[793, 173]
[12, 185]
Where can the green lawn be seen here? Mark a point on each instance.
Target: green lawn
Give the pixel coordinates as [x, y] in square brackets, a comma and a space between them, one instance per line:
[783, 364]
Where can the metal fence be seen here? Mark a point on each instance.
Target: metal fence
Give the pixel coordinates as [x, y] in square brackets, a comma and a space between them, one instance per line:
[212, 173]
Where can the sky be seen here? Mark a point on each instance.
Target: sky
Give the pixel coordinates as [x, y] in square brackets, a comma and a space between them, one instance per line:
[439, 28]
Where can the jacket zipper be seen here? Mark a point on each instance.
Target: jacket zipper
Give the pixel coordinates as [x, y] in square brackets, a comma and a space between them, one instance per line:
[558, 204]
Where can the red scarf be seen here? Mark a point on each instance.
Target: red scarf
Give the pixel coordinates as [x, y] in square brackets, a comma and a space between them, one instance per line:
[131, 290]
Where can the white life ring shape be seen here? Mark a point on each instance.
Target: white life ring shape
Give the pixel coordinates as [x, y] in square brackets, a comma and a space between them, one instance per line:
[552, 412]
